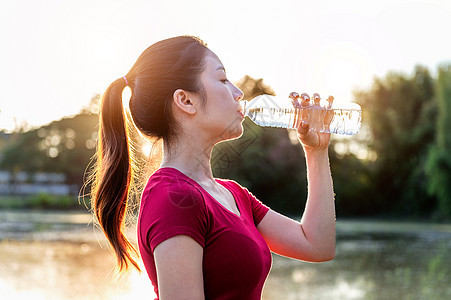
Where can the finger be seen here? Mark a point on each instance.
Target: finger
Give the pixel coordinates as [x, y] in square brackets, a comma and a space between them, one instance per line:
[305, 99]
[316, 98]
[294, 99]
[293, 95]
[330, 100]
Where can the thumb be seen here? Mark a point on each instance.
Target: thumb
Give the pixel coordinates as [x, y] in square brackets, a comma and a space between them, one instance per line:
[303, 129]
[306, 137]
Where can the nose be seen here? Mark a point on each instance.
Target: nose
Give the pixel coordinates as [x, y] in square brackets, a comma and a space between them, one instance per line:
[237, 93]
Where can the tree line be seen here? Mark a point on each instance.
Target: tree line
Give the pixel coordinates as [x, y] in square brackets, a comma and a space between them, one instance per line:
[405, 168]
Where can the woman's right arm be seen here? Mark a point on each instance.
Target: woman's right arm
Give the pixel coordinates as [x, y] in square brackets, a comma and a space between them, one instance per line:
[178, 261]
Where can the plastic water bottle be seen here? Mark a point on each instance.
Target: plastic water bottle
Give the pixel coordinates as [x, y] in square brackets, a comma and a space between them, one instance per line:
[274, 111]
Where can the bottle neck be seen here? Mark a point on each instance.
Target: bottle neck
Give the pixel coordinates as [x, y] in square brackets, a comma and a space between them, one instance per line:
[243, 104]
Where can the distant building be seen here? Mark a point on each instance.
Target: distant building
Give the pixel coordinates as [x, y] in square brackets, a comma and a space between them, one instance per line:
[24, 183]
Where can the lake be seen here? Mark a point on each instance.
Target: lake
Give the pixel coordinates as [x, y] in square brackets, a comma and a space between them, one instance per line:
[61, 255]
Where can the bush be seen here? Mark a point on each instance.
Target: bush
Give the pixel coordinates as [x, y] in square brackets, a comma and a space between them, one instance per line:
[47, 201]
[42, 200]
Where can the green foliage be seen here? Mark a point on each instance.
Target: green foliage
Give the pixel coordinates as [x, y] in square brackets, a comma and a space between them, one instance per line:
[41, 201]
[14, 202]
[400, 111]
[64, 146]
[408, 118]
[352, 182]
[439, 160]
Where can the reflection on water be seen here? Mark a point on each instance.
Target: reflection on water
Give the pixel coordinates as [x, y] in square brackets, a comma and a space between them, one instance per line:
[51, 255]
[374, 260]
[60, 270]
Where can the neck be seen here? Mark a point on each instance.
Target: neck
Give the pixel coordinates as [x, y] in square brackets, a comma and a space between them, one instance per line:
[191, 157]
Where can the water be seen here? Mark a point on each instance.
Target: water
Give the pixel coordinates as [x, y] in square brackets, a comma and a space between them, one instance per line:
[374, 260]
[270, 111]
[339, 121]
[59, 255]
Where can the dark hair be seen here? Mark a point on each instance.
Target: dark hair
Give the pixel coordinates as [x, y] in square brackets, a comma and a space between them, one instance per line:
[164, 67]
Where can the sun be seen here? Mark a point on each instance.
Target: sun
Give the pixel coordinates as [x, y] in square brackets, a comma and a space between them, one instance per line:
[342, 67]
[340, 75]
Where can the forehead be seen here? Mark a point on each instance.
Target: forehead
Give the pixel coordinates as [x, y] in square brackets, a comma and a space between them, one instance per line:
[212, 62]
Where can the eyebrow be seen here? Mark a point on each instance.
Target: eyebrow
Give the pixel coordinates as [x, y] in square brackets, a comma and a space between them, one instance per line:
[221, 68]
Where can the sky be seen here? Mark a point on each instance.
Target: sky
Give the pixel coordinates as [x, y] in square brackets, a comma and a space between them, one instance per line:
[55, 55]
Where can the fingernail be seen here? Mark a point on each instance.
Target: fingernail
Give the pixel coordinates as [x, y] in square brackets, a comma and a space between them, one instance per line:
[294, 95]
[305, 96]
[316, 98]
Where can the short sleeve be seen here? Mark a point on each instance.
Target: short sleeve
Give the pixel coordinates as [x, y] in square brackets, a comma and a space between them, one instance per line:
[259, 209]
[170, 209]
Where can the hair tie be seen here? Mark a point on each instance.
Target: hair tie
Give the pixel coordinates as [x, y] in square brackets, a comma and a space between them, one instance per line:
[126, 82]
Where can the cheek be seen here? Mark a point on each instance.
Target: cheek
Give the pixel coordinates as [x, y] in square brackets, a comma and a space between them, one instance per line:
[219, 98]
[221, 91]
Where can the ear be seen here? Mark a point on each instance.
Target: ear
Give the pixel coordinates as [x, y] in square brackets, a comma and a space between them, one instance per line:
[185, 101]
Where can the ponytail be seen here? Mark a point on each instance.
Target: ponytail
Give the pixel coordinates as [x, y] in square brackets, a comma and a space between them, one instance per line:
[113, 174]
[164, 67]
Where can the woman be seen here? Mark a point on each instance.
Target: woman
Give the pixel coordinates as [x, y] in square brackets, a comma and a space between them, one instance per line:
[200, 237]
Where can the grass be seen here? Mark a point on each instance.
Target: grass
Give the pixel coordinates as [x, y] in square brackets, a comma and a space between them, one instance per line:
[41, 201]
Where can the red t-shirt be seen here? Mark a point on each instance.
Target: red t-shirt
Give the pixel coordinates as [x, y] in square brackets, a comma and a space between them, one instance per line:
[236, 258]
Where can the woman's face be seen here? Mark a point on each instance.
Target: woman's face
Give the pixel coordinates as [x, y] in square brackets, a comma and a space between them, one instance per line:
[222, 113]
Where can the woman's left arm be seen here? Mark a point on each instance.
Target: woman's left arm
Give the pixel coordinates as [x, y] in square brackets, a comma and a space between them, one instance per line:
[313, 238]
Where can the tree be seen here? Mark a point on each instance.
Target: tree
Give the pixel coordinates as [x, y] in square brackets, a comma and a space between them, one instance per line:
[399, 111]
[63, 146]
[439, 160]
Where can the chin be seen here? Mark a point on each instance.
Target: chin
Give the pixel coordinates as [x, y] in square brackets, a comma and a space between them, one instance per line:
[237, 136]
[233, 132]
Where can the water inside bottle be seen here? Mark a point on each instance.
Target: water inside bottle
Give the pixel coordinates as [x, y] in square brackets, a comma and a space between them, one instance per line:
[274, 111]
[341, 121]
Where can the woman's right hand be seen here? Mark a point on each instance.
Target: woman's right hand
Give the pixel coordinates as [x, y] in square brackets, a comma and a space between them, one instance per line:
[309, 139]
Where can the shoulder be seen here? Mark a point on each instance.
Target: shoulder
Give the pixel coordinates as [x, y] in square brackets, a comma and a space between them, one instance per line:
[172, 187]
[232, 185]
[229, 183]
